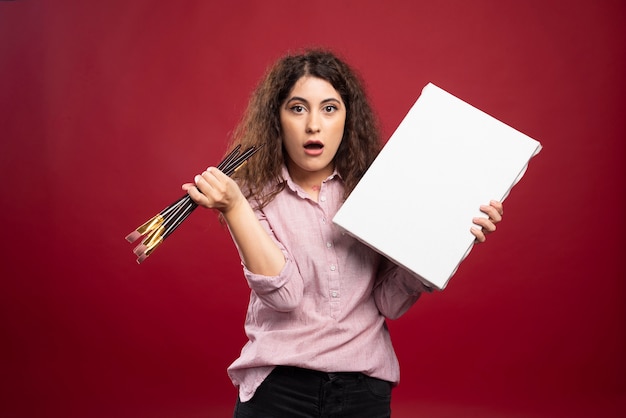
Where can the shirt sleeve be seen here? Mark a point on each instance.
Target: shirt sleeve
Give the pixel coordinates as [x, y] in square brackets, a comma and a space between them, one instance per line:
[284, 292]
[396, 290]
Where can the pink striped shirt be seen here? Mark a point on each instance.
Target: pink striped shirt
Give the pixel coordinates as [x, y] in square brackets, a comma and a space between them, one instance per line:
[326, 309]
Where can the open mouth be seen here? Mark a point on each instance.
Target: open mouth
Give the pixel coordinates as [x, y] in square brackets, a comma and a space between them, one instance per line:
[313, 146]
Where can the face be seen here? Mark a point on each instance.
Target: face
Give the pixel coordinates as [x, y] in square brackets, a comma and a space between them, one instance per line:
[312, 119]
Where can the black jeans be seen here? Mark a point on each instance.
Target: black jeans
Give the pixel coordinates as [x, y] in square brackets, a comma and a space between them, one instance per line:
[291, 392]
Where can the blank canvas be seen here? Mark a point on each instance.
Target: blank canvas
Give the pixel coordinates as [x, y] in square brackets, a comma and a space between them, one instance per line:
[416, 202]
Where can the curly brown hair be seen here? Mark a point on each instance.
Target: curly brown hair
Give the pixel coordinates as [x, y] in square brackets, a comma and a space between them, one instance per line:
[261, 177]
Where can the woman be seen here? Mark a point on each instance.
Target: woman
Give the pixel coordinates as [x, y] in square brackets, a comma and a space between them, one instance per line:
[318, 344]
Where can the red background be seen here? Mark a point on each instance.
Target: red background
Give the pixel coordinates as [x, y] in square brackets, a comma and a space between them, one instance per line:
[107, 107]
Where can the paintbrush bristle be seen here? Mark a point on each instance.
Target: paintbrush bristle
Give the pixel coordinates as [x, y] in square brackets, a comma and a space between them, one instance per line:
[140, 249]
[133, 236]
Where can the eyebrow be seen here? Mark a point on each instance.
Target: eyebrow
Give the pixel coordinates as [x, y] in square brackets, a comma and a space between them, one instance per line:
[302, 99]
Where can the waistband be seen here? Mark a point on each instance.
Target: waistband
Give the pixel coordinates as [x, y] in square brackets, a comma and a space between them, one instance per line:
[298, 371]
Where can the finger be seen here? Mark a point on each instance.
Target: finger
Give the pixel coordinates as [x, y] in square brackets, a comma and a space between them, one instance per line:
[197, 191]
[216, 172]
[216, 178]
[217, 184]
[480, 236]
[492, 212]
[196, 195]
[201, 183]
[488, 226]
[498, 205]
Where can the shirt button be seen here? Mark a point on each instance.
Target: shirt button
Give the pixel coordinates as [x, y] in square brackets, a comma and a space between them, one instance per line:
[323, 220]
[334, 293]
[323, 198]
[329, 244]
[333, 267]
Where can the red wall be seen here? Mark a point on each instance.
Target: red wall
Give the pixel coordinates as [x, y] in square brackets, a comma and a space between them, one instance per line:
[107, 107]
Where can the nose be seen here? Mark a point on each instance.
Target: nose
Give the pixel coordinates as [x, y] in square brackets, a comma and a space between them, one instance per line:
[313, 123]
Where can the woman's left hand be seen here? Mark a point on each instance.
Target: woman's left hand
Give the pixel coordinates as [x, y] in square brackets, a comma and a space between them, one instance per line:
[494, 212]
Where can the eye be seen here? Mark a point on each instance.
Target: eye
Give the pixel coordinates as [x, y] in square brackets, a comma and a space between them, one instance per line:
[297, 109]
[330, 108]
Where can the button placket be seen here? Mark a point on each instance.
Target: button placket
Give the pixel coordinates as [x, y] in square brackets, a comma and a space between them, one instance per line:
[331, 255]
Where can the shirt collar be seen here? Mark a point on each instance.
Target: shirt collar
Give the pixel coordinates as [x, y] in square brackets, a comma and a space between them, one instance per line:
[294, 187]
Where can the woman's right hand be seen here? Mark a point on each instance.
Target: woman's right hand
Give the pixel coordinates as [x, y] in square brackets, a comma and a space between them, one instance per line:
[214, 190]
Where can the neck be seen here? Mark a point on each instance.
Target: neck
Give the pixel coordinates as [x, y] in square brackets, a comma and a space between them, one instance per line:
[309, 180]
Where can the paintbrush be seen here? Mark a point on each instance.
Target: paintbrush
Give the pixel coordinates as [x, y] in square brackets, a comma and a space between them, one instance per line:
[159, 227]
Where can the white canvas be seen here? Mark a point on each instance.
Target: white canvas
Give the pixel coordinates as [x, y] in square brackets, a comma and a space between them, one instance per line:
[416, 203]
